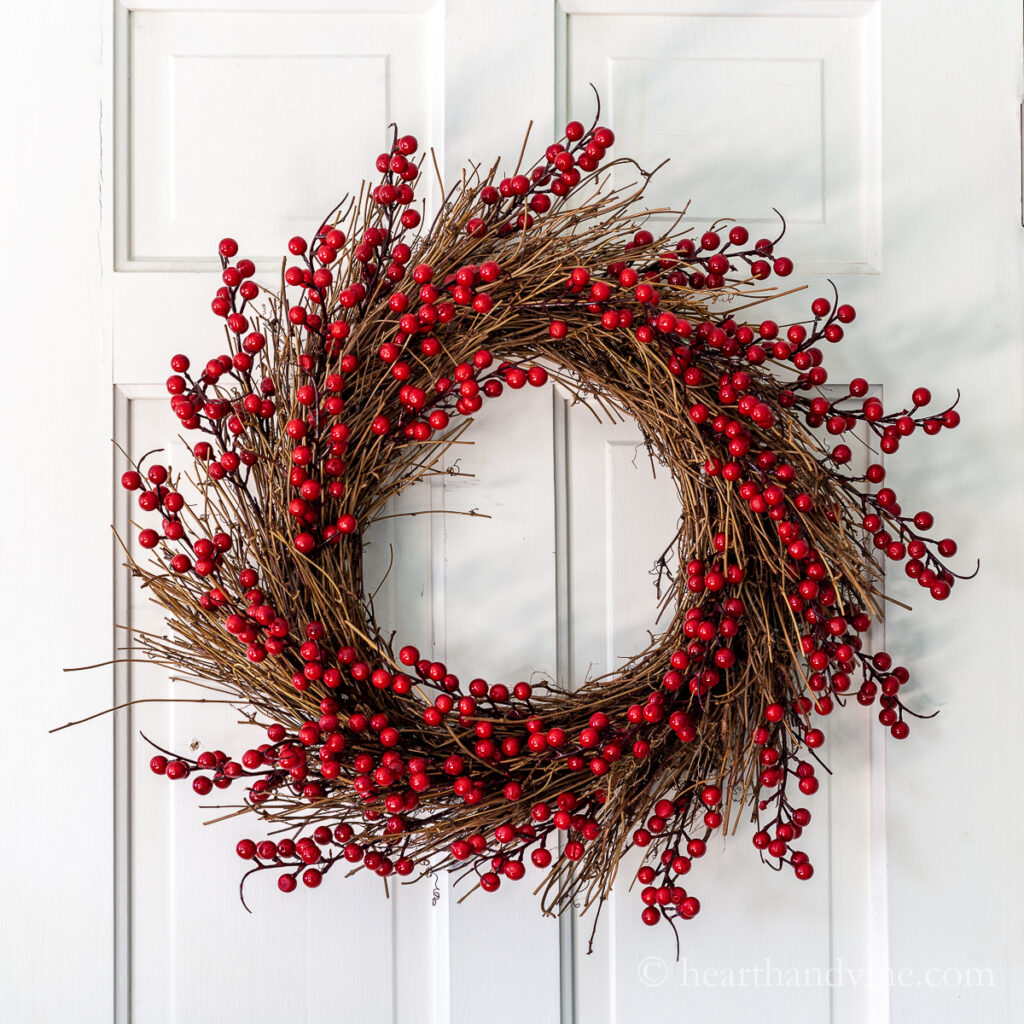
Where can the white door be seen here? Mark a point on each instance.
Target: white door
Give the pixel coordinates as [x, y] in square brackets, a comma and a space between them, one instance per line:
[888, 134]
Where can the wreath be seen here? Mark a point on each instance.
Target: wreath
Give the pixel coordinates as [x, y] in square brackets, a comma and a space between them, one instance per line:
[349, 382]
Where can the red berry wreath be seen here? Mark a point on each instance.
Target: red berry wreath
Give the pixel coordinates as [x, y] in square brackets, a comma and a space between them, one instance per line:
[349, 383]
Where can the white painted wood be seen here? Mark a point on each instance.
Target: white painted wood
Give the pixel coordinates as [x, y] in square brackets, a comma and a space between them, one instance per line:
[926, 311]
[184, 908]
[227, 113]
[178, 917]
[924, 109]
[622, 515]
[498, 585]
[495, 589]
[458, 939]
[754, 112]
[498, 72]
[721, 8]
[55, 497]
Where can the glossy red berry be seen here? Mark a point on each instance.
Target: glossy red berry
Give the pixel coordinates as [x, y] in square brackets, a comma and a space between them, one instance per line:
[246, 849]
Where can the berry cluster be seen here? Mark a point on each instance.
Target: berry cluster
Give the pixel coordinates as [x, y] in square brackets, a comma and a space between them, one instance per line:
[349, 384]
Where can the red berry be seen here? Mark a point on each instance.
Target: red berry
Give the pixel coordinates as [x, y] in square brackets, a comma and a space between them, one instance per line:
[712, 796]
[650, 915]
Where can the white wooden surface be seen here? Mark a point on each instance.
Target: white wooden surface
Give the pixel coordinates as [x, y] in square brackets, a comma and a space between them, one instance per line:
[748, 913]
[889, 132]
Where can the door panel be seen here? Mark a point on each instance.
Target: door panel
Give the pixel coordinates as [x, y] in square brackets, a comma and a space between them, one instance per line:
[496, 587]
[194, 947]
[752, 111]
[230, 113]
[755, 924]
